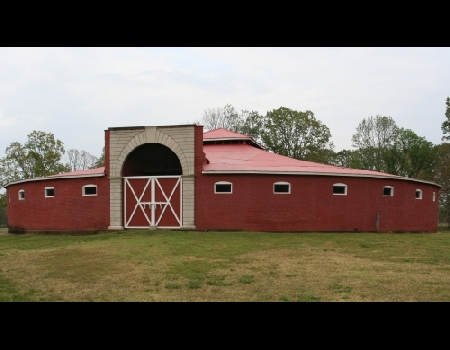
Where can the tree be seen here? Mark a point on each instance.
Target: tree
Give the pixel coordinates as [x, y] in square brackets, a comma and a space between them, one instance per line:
[253, 125]
[100, 161]
[446, 124]
[442, 177]
[347, 159]
[442, 174]
[225, 117]
[383, 146]
[411, 155]
[296, 134]
[80, 160]
[374, 136]
[40, 156]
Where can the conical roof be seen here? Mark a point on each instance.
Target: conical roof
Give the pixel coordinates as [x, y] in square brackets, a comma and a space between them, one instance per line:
[222, 135]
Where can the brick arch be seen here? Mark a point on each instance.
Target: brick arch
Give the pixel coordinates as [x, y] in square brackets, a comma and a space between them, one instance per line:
[150, 135]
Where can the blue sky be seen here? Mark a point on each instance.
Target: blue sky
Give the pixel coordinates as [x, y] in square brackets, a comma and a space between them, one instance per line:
[77, 93]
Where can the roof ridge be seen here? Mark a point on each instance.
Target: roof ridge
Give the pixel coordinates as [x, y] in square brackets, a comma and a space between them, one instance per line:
[227, 131]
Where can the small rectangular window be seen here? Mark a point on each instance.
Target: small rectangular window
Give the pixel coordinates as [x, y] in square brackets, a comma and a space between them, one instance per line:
[282, 187]
[21, 194]
[388, 191]
[418, 194]
[49, 192]
[340, 189]
[434, 196]
[89, 190]
[223, 187]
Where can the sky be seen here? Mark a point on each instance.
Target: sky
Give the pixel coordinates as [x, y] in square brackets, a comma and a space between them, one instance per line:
[76, 93]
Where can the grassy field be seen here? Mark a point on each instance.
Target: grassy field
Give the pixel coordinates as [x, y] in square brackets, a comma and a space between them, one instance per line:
[226, 266]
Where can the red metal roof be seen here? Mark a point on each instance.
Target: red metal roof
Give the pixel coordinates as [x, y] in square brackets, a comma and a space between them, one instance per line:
[100, 170]
[245, 158]
[73, 174]
[222, 133]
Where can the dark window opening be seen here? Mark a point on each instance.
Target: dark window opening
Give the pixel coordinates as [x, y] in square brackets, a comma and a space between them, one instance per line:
[387, 191]
[90, 190]
[21, 194]
[339, 189]
[49, 192]
[281, 188]
[418, 194]
[223, 188]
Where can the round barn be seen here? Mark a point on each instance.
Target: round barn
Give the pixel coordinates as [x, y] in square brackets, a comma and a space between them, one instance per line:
[179, 177]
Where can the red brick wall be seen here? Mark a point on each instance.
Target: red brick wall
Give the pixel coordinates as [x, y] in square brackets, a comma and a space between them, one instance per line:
[199, 156]
[311, 206]
[252, 206]
[67, 210]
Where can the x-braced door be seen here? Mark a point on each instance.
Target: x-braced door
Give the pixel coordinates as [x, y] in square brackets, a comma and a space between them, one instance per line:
[153, 201]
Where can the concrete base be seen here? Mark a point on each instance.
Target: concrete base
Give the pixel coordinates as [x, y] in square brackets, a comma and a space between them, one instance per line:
[187, 228]
[115, 228]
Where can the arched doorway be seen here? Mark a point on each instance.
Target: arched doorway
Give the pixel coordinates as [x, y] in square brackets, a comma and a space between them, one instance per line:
[152, 159]
[152, 187]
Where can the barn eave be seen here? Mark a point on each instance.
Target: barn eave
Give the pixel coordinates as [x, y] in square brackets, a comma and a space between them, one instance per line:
[306, 173]
[52, 178]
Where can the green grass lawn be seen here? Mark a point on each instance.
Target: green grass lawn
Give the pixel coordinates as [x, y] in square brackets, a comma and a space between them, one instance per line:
[166, 265]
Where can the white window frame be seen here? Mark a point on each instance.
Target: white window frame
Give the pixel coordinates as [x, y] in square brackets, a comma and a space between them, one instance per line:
[434, 196]
[49, 188]
[223, 183]
[340, 185]
[83, 191]
[392, 191]
[19, 193]
[282, 183]
[420, 193]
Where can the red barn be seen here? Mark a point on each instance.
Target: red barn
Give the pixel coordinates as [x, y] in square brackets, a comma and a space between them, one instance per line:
[179, 177]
